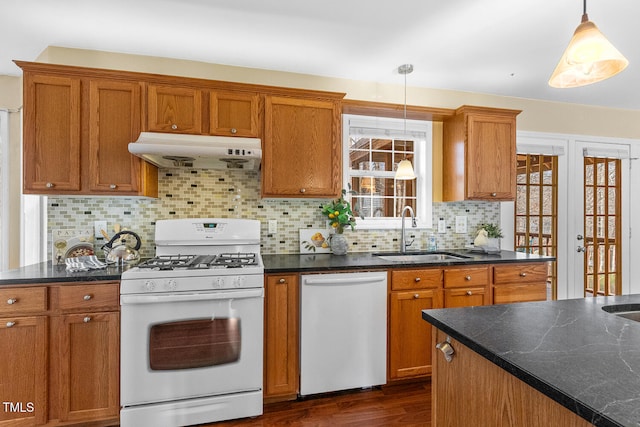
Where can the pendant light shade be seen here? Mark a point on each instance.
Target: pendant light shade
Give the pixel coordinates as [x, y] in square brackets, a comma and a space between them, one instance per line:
[405, 169]
[589, 58]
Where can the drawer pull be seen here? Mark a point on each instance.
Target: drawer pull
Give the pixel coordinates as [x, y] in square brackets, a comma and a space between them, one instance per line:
[416, 296]
[86, 319]
[113, 186]
[10, 324]
[469, 293]
[234, 131]
[12, 301]
[523, 274]
[86, 297]
[303, 190]
[417, 279]
[494, 194]
[467, 278]
[50, 185]
[281, 281]
[174, 126]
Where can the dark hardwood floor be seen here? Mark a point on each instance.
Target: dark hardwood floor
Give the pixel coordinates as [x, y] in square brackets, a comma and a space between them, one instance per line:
[397, 405]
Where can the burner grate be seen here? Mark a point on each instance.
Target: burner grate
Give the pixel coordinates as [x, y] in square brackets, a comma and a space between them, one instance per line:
[193, 262]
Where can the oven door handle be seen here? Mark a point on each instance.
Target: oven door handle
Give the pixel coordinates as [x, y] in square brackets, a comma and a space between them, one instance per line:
[201, 296]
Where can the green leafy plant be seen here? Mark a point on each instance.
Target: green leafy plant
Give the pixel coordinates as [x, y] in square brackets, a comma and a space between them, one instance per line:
[339, 212]
[493, 230]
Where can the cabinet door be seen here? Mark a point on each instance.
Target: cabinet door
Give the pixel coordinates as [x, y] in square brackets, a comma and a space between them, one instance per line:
[89, 353]
[302, 150]
[174, 109]
[234, 114]
[409, 335]
[466, 297]
[114, 122]
[23, 371]
[491, 157]
[51, 157]
[281, 371]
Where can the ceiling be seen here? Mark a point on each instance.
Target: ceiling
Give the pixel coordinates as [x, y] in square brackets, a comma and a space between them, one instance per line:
[503, 47]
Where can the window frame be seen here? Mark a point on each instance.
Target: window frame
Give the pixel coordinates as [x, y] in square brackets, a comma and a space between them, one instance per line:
[423, 161]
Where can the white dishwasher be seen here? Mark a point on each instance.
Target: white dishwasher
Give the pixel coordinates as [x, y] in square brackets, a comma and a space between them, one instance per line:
[343, 331]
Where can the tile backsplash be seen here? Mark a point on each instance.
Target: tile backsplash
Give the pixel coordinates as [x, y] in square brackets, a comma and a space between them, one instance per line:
[185, 193]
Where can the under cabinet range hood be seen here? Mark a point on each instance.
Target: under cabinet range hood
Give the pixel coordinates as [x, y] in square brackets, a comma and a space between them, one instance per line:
[168, 150]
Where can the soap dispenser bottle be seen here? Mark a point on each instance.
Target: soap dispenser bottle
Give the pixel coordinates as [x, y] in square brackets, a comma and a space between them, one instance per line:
[432, 242]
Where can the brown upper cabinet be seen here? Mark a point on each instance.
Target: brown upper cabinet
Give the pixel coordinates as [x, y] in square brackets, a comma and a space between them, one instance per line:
[174, 109]
[234, 113]
[302, 154]
[479, 154]
[77, 125]
[52, 133]
[114, 121]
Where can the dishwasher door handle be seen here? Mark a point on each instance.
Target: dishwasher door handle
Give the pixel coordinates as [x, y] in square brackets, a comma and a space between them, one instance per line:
[342, 281]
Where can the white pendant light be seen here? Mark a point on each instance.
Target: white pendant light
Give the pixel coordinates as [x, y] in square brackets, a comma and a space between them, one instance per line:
[404, 170]
[589, 58]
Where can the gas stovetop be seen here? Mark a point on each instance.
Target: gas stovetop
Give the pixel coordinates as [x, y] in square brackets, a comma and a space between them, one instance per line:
[201, 262]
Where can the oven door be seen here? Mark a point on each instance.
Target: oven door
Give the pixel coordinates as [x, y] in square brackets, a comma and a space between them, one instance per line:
[186, 345]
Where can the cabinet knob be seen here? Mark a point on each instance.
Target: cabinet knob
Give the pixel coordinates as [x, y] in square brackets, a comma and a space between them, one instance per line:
[10, 324]
[417, 279]
[11, 301]
[174, 126]
[467, 278]
[303, 190]
[446, 349]
[469, 293]
[494, 194]
[416, 296]
[87, 319]
[234, 130]
[523, 274]
[113, 186]
[50, 185]
[281, 281]
[86, 297]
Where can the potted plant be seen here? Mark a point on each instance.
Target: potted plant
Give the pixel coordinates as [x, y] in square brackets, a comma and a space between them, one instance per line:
[488, 236]
[340, 216]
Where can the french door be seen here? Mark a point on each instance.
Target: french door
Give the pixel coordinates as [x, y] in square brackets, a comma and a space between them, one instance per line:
[584, 217]
[598, 224]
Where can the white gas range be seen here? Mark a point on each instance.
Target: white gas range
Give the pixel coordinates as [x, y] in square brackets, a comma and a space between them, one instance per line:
[192, 326]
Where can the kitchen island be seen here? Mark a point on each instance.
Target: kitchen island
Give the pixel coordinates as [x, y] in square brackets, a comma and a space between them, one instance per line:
[543, 363]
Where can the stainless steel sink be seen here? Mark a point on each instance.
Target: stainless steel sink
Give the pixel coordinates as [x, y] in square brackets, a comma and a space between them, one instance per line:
[628, 311]
[420, 257]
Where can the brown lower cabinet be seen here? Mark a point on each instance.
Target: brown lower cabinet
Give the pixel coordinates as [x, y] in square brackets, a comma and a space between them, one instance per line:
[471, 391]
[281, 341]
[63, 343]
[411, 290]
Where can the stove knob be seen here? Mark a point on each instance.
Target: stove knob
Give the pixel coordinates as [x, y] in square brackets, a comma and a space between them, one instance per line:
[238, 281]
[172, 285]
[218, 283]
[150, 285]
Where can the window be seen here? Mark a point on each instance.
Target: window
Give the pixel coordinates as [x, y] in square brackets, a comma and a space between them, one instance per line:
[373, 146]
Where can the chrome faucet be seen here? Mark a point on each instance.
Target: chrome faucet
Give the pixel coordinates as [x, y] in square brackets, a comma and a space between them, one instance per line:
[403, 243]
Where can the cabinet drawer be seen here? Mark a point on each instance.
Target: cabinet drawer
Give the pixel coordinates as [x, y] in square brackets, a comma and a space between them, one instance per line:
[520, 273]
[474, 276]
[85, 297]
[416, 279]
[465, 297]
[505, 294]
[23, 300]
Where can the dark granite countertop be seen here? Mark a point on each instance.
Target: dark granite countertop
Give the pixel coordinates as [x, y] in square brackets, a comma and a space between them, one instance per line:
[47, 272]
[572, 351]
[366, 260]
